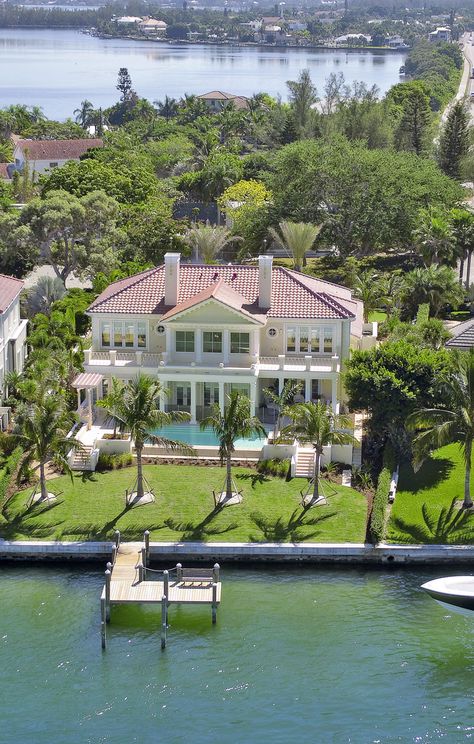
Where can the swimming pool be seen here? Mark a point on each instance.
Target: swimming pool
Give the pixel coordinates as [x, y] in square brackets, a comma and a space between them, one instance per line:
[192, 434]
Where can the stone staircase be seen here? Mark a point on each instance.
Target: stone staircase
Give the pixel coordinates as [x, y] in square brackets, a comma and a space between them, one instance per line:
[83, 459]
[304, 463]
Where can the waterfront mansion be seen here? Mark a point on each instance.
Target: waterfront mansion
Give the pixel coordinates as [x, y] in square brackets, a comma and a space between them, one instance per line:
[204, 331]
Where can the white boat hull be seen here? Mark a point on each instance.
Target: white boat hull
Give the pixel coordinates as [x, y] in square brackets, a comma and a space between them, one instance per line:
[456, 593]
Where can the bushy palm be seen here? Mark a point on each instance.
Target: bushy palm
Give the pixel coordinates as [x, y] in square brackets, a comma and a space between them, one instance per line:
[84, 113]
[297, 238]
[42, 427]
[369, 288]
[437, 427]
[318, 425]
[434, 239]
[208, 241]
[137, 412]
[434, 285]
[112, 402]
[167, 108]
[235, 423]
[45, 292]
[283, 400]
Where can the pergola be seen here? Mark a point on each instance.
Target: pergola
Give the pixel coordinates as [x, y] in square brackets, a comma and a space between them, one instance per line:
[87, 381]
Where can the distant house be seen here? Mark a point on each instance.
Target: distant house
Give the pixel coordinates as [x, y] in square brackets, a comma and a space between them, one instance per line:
[296, 25]
[128, 20]
[396, 42]
[351, 39]
[272, 33]
[216, 100]
[442, 33]
[152, 27]
[44, 155]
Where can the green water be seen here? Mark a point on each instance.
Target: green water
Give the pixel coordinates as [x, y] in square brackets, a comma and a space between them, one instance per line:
[333, 656]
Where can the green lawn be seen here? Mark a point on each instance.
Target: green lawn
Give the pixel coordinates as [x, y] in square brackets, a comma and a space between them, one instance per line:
[92, 507]
[436, 484]
[377, 316]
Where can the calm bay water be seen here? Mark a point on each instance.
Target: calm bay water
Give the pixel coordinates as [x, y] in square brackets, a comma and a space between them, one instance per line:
[56, 69]
[333, 656]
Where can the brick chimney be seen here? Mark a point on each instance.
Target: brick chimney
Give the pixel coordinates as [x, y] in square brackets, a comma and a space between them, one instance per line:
[265, 281]
[171, 278]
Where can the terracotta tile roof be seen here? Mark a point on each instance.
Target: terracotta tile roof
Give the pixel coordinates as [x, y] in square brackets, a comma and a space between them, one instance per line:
[9, 289]
[221, 292]
[4, 171]
[71, 149]
[239, 102]
[291, 298]
[463, 336]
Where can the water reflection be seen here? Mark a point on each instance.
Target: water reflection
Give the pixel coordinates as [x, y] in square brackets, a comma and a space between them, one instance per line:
[58, 69]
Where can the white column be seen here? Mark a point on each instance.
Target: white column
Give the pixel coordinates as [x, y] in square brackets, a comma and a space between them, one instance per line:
[307, 389]
[168, 337]
[78, 399]
[89, 408]
[280, 384]
[253, 397]
[221, 397]
[198, 345]
[226, 346]
[193, 401]
[255, 343]
[162, 400]
[334, 401]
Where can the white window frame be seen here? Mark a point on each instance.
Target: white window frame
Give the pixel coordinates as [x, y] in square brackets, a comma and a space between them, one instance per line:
[112, 323]
[310, 332]
[185, 351]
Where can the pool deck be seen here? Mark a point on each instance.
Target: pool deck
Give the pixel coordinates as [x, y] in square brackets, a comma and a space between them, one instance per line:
[199, 552]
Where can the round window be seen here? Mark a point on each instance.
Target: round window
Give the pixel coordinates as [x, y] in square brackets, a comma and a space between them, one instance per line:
[272, 332]
[160, 329]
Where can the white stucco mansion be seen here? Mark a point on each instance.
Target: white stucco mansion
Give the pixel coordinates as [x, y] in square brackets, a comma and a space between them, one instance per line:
[206, 330]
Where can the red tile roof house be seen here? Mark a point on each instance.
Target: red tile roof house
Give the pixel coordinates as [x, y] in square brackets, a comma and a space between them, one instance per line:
[44, 155]
[204, 331]
[12, 332]
[216, 100]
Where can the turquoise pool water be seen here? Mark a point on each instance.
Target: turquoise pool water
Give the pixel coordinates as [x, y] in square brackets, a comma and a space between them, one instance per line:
[297, 657]
[192, 434]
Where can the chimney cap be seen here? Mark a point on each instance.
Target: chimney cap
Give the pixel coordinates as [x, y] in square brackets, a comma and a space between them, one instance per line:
[172, 257]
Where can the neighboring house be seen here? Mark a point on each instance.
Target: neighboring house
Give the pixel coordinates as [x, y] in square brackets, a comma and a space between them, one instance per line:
[152, 27]
[272, 33]
[6, 170]
[216, 100]
[396, 42]
[205, 331]
[442, 33]
[44, 155]
[462, 336]
[128, 20]
[12, 329]
[353, 39]
[296, 25]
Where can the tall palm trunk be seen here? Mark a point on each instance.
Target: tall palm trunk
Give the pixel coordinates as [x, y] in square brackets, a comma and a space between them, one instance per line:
[44, 490]
[468, 270]
[461, 271]
[317, 466]
[467, 476]
[139, 471]
[228, 477]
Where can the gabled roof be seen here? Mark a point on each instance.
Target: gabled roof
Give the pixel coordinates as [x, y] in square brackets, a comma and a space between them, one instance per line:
[144, 293]
[71, 149]
[10, 288]
[463, 336]
[221, 292]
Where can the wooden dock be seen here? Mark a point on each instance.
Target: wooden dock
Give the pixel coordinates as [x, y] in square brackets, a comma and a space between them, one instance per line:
[129, 580]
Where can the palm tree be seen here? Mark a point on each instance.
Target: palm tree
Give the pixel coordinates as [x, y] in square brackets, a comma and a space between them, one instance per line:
[437, 427]
[235, 423]
[42, 427]
[435, 285]
[318, 425]
[208, 241]
[138, 414]
[84, 113]
[112, 402]
[43, 294]
[297, 238]
[283, 400]
[167, 108]
[434, 239]
[369, 289]
[462, 224]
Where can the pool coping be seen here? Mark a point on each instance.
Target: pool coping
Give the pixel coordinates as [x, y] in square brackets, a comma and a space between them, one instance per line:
[327, 553]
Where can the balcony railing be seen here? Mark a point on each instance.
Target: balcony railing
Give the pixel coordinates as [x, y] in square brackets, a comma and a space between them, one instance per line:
[115, 358]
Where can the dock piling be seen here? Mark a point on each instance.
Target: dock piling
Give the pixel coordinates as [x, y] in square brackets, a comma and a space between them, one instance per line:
[146, 537]
[103, 624]
[108, 575]
[144, 558]
[166, 580]
[140, 572]
[179, 571]
[214, 603]
[215, 573]
[117, 538]
[164, 620]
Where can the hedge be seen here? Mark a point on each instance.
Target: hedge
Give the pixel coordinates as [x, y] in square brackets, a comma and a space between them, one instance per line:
[379, 506]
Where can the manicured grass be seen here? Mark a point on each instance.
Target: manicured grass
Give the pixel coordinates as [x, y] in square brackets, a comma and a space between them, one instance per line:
[377, 316]
[92, 507]
[436, 484]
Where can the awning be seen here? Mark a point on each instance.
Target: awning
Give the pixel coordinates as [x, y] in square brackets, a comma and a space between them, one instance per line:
[87, 380]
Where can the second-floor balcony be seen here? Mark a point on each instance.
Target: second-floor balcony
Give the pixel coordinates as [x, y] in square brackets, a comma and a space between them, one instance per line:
[258, 364]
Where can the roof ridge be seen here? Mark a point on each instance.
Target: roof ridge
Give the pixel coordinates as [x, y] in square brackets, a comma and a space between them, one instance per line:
[137, 277]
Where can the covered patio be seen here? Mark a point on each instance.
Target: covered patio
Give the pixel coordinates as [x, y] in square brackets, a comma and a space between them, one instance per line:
[89, 389]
